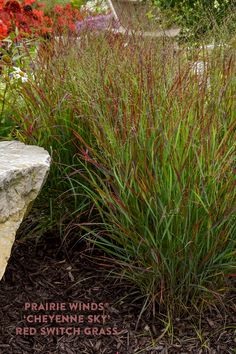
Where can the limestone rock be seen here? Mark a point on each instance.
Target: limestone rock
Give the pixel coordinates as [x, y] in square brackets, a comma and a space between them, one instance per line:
[23, 171]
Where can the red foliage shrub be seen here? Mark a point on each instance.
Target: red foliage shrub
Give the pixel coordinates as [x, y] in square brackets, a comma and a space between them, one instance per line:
[65, 18]
[27, 18]
[3, 30]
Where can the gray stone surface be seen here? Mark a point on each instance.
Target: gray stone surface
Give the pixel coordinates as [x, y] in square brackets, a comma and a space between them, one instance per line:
[162, 33]
[23, 171]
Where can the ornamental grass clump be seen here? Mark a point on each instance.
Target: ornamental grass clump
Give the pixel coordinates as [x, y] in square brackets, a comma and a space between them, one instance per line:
[145, 146]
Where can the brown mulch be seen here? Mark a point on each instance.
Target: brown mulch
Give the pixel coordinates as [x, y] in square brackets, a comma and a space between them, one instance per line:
[48, 274]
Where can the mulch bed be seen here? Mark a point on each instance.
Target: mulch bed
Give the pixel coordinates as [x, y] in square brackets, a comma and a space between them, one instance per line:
[49, 274]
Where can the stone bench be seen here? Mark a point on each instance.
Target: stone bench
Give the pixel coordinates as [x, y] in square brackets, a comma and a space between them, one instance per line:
[23, 171]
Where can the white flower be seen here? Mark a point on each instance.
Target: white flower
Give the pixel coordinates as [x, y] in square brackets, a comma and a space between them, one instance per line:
[216, 4]
[19, 74]
[16, 69]
[95, 6]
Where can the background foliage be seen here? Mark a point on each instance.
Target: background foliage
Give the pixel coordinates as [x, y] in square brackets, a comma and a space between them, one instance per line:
[196, 17]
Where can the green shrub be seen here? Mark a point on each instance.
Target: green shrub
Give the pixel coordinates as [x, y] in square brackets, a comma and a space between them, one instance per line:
[198, 17]
[14, 58]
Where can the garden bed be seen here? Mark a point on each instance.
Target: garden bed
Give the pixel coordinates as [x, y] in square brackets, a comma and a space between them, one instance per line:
[47, 273]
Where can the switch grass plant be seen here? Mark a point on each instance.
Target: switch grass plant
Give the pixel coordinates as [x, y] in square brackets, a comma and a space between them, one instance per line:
[144, 158]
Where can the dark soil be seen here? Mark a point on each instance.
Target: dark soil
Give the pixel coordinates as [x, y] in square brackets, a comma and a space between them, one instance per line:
[48, 274]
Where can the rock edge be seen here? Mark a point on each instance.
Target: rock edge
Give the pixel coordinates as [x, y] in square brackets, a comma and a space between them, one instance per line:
[23, 171]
